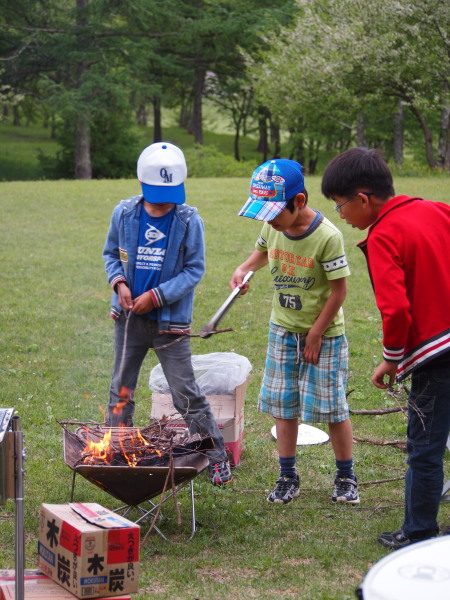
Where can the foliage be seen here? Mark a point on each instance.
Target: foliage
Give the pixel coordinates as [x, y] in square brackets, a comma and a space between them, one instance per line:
[29, 153]
[349, 61]
[333, 73]
[115, 146]
[208, 161]
[56, 353]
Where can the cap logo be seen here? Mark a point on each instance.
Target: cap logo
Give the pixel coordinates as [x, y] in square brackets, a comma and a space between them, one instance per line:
[165, 175]
[263, 191]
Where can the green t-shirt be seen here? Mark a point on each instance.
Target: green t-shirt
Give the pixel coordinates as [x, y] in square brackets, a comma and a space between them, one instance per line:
[301, 267]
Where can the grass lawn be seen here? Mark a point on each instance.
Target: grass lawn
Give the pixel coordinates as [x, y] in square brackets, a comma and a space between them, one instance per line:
[55, 364]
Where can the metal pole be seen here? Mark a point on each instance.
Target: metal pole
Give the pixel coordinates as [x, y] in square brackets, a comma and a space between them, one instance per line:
[19, 515]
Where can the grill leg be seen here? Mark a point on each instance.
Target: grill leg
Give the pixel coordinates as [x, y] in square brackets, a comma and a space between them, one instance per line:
[73, 487]
[148, 515]
[193, 521]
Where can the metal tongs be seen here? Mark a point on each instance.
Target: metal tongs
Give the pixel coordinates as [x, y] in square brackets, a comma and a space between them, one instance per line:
[211, 327]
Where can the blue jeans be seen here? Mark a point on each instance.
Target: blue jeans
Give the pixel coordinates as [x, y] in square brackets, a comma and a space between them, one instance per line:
[175, 358]
[428, 428]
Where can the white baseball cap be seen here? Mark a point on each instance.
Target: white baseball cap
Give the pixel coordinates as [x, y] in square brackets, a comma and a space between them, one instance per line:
[162, 171]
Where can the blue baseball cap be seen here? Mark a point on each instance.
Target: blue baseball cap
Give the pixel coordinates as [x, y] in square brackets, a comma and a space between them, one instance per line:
[273, 184]
[162, 171]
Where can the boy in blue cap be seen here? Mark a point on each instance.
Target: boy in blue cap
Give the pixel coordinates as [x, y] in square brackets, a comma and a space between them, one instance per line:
[154, 257]
[306, 364]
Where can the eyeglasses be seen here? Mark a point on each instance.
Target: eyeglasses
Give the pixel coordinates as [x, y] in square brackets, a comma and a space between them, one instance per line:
[339, 206]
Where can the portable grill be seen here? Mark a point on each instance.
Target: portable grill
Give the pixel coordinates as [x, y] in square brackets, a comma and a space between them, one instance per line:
[11, 485]
[137, 485]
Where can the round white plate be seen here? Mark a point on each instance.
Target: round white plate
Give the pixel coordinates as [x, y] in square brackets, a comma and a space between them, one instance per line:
[418, 571]
[307, 435]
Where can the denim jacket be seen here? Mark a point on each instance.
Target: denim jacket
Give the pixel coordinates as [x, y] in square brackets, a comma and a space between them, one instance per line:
[182, 269]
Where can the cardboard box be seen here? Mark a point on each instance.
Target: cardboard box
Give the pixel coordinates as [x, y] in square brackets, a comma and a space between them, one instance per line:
[89, 550]
[38, 586]
[228, 411]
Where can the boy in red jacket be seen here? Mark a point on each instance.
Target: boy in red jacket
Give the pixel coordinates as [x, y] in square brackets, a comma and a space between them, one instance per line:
[407, 250]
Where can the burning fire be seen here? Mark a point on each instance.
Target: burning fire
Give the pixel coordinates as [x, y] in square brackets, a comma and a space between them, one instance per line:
[101, 450]
[133, 448]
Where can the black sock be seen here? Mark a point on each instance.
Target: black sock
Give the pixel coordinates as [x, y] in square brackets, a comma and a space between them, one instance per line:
[287, 466]
[345, 468]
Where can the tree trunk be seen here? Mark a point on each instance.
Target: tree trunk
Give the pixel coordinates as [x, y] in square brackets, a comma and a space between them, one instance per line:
[237, 132]
[313, 151]
[83, 167]
[263, 142]
[141, 115]
[16, 116]
[275, 139]
[398, 135]
[428, 136]
[360, 131]
[53, 128]
[197, 118]
[157, 127]
[444, 136]
[185, 118]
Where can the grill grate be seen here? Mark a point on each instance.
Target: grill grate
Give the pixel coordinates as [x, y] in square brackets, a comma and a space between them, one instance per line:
[134, 484]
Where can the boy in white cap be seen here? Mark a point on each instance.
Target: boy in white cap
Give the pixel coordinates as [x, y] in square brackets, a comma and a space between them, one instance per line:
[306, 364]
[154, 257]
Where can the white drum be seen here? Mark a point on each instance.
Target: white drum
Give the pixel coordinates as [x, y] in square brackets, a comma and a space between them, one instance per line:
[307, 435]
[420, 571]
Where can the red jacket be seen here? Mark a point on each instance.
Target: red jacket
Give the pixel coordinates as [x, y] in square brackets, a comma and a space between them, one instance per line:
[408, 256]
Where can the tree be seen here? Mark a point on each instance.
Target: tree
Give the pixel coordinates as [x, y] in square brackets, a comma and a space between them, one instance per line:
[353, 58]
[301, 85]
[406, 56]
[234, 96]
[65, 54]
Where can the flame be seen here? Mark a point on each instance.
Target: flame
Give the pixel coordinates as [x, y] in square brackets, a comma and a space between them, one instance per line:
[101, 450]
[136, 448]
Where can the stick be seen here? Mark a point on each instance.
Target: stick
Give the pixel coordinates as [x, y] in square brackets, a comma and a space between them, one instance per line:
[381, 411]
[163, 493]
[396, 443]
[376, 482]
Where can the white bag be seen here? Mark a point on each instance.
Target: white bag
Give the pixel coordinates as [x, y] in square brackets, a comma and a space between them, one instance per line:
[218, 373]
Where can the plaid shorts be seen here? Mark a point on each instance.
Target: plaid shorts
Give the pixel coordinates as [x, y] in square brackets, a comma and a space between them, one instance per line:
[294, 388]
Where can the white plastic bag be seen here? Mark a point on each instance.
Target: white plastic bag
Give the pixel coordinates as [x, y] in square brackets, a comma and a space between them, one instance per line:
[216, 373]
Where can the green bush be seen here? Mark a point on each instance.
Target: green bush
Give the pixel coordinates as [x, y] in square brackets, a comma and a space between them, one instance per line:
[208, 161]
[114, 148]
[413, 169]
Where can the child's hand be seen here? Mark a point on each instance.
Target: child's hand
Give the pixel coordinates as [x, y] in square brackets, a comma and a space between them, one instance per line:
[236, 281]
[313, 343]
[385, 368]
[124, 295]
[143, 304]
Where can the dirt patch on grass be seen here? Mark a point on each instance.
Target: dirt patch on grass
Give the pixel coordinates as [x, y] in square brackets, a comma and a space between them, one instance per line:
[224, 575]
[298, 562]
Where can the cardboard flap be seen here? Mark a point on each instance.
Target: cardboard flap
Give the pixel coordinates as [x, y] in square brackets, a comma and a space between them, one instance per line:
[99, 515]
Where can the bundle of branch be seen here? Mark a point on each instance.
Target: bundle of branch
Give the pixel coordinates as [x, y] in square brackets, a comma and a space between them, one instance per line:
[96, 444]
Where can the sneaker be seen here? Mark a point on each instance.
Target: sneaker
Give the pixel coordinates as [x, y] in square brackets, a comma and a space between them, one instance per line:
[396, 539]
[345, 490]
[220, 473]
[285, 490]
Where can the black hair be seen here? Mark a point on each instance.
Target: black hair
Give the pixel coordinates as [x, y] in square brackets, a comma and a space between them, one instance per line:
[290, 203]
[357, 168]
